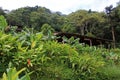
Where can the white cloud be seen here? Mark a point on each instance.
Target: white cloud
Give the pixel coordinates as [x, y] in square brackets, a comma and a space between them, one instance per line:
[64, 6]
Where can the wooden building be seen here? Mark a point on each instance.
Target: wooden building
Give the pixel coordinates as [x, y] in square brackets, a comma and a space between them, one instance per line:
[92, 41]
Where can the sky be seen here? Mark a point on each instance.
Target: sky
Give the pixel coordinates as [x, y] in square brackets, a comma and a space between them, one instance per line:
[64, 6]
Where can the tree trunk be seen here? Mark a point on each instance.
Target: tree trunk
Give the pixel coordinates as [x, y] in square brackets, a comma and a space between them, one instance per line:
[82, 30]
[113, 36]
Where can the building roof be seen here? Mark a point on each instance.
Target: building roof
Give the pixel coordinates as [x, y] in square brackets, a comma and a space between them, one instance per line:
[84, 39]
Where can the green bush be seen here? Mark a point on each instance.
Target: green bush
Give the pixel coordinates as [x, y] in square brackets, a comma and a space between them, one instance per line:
[50, 60]
[109, 72]
[3, 23]
[12, 74]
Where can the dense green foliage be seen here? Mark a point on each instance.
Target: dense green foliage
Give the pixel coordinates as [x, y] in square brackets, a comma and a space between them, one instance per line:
[12, 74]
[36, 49]
[90, 23]
[35, 17]
[50, 60]
[3, 23]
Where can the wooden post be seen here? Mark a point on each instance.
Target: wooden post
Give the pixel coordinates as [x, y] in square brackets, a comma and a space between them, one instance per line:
[89, 41]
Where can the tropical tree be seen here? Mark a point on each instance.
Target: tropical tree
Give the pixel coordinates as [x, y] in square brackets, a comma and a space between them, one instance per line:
[113, 20]
[68, 27]
[78, 18]
[88, 22]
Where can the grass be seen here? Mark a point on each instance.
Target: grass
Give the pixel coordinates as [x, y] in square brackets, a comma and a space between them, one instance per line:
[110, 72]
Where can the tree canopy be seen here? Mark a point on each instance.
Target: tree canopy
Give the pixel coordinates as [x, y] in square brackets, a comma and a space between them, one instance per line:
[84, 22]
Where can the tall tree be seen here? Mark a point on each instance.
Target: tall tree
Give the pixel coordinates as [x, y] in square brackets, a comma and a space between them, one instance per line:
[111, 21]
[88, 22]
